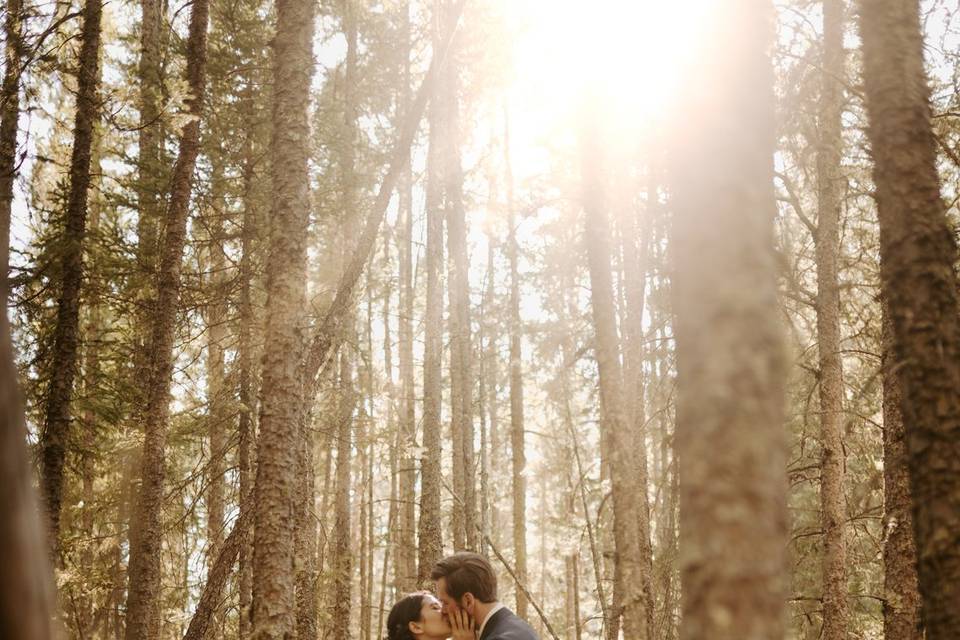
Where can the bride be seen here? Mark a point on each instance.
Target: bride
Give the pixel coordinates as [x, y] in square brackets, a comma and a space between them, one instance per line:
[419, 616]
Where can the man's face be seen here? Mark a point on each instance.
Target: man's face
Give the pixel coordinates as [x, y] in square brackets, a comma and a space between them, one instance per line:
[450, 605]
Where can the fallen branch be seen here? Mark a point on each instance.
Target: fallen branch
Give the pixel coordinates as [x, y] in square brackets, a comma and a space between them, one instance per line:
[327, 339]
[217, 578]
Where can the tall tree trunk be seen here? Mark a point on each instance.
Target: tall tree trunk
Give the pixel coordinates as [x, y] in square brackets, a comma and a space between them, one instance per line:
[406, 555]
[63, 365]
[143, 615]
[92, 377]
[491, 375]
[247, 395]
[634, 243]
[217, 410]
[833, 510]
[281, 397]
[149, 138]
[620, 439]
[567, 350]
[9, 119]
[430, 543]
[364, 433]
[731, 364]
[306, 532]
[487, 392]
[517, 447]
[919, 286]
[901, 593]
[461, 350]
[572, 603]
[342, 558]
[342, 562]
[26, 594]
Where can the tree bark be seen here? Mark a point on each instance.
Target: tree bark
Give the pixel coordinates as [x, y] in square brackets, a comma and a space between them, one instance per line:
[342, 561]
[247, 396]
[620, 439]
[9, 119]
[430, 532]
[282, 390]
[490, 437]
[634, 243]
[833, 510]
[143, 621]
[461, 350]
[730, 358]
[56, 424]
[901, 593]
[406, 555]
[517, 446]
[306, 533]
[919, 286]
[218, 416]
[149, 138]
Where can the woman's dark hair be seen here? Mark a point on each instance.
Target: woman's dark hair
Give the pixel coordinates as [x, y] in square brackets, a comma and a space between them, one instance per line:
[406, 610]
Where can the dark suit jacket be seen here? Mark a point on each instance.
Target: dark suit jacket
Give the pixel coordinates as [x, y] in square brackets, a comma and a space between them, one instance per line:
[505, 625]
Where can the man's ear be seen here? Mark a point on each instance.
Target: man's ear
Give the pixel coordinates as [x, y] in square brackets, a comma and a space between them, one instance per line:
[468, 601]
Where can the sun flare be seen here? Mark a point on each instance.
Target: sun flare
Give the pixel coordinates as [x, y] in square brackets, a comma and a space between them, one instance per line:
[631, 54]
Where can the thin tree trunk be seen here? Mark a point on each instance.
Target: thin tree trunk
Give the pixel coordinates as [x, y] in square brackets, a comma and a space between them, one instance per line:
[392, 428]
[92, 378]
[917, 258]
[491, 375]
[901, 593]
[56, 424]
[363, 446]
[581, 475]
[282, 396]
[731, 363]
[634, 243]
[9, 119]
[247, 395]
[149, 141]
[829, 187]
[217, 410]
[486, 397]
[342, 557]
[406, 558]
[626, 503]
[143, 614]
[430, 544]
[392, 513]
[342, 562]
[518, 449]
[461, 350]
[306, 534]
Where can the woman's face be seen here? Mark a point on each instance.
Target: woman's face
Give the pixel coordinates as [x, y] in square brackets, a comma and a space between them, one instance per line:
[432, 624]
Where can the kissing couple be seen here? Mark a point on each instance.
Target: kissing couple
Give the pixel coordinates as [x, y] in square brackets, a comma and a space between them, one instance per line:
[465, 606]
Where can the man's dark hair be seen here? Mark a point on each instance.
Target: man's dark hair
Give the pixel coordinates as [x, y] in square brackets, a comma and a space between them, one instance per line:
[467, 572]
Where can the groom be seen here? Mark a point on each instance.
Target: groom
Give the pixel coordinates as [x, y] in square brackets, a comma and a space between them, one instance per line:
[466, 581]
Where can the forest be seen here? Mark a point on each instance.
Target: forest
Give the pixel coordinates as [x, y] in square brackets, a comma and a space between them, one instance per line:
[655, 305]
